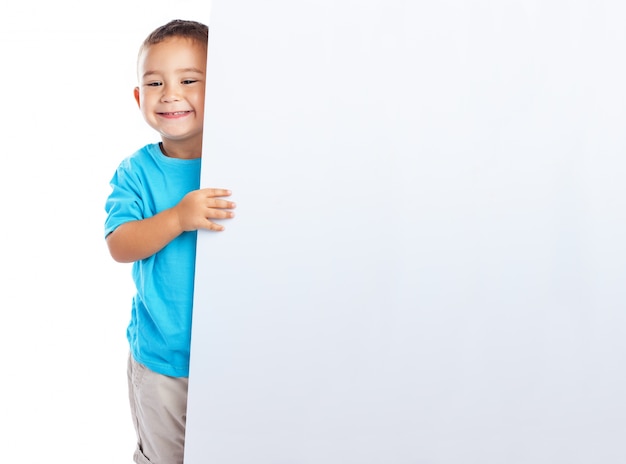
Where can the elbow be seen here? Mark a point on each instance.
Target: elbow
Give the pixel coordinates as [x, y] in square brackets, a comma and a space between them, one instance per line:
[120, 258]
[117, 251]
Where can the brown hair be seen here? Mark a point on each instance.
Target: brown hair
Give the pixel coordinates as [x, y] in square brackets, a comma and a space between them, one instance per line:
[178, 28]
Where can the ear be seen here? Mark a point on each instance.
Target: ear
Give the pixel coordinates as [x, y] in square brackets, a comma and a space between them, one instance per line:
[136, 93]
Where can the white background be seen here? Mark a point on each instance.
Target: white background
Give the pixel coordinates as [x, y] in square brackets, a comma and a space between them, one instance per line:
[427, 263]
[69, 117]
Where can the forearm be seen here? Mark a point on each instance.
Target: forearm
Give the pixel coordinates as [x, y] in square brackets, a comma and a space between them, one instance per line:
[136, 240]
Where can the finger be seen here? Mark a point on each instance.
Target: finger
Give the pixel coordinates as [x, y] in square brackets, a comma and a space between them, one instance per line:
[210, 225]
[219, 214]
[215, 203]
[217, 192]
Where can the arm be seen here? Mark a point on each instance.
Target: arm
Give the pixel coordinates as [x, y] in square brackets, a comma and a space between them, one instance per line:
[136, 240]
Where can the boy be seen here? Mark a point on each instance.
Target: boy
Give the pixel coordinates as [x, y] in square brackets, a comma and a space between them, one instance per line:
[153, 214]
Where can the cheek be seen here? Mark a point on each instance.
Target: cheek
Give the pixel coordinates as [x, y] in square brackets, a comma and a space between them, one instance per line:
[150, 102]
[199, 104]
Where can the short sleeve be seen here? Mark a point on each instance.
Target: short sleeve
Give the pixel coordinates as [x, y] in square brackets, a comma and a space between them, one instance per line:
[124, 203]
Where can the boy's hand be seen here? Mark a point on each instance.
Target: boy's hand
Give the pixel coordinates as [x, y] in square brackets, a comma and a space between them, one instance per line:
[198, 207]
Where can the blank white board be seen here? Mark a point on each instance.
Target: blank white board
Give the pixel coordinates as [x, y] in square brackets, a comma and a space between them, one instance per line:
[428, 259]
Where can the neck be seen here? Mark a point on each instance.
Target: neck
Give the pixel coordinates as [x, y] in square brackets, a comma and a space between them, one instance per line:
[183, 151]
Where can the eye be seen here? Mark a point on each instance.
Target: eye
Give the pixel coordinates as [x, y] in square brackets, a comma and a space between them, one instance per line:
[153, 84]
[189, 81]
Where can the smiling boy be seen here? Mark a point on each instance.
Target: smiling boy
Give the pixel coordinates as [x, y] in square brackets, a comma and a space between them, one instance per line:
[153, 213]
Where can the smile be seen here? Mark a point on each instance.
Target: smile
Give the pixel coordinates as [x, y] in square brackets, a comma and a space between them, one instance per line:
[175, 114]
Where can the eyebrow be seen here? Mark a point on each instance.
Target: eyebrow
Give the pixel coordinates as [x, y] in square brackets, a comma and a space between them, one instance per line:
[181, 70]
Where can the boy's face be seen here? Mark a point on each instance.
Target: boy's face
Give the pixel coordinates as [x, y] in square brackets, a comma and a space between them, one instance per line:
[171, 88]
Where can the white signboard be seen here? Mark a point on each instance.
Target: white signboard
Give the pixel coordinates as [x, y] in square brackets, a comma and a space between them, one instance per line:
[428, 261]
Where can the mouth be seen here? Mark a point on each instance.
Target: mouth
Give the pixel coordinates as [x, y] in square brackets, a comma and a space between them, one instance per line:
[174, 114]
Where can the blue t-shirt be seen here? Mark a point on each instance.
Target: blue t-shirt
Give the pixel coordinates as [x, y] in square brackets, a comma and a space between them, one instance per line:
[159, 332]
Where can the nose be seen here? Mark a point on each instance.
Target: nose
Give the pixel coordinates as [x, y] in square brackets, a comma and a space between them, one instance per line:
[170, 93]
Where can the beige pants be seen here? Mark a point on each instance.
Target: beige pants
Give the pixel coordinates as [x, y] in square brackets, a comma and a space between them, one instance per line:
[158, 406]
